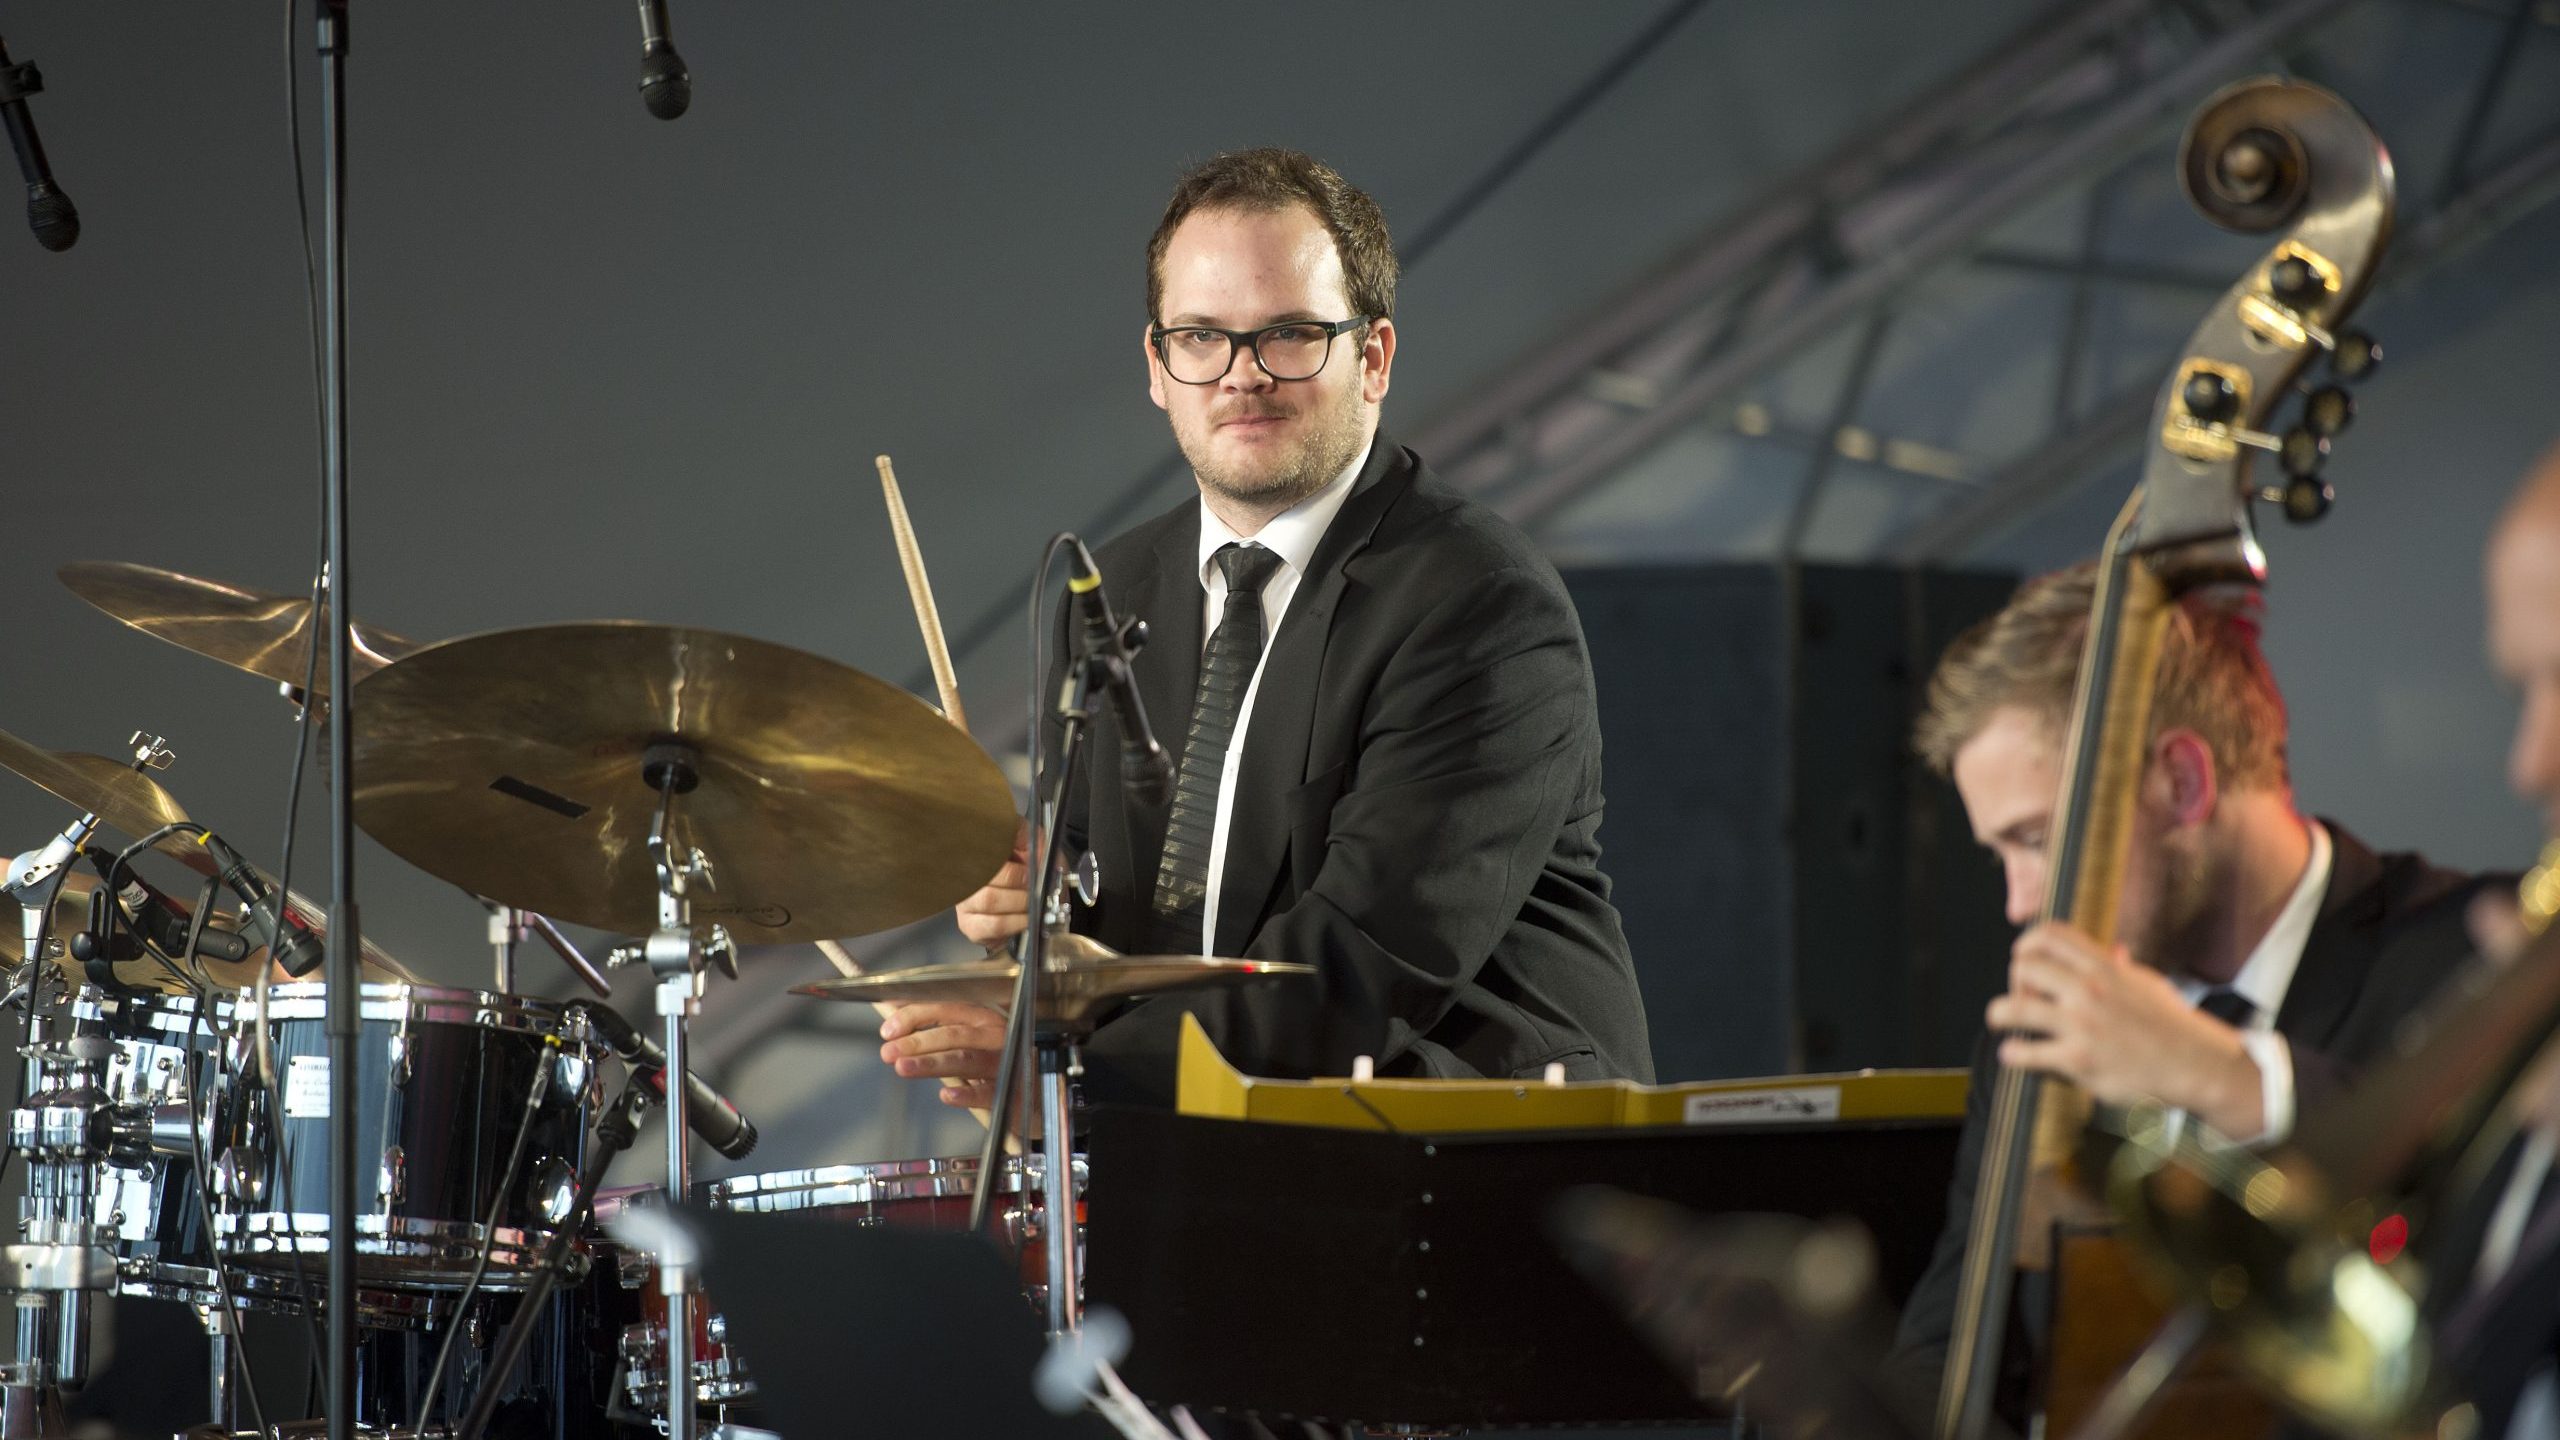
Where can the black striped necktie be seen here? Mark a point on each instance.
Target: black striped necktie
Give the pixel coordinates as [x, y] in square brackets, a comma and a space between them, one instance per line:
[1226, 668]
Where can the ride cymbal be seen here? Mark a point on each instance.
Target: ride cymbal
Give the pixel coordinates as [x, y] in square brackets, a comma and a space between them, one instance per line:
[253, 630]
[828, 802]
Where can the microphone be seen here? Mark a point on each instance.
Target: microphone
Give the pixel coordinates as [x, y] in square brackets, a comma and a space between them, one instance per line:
[28, 872]
[157, 919]
[708, 1112]
[1146, 771]
[50, 213]
[265, 920]
[666, 87]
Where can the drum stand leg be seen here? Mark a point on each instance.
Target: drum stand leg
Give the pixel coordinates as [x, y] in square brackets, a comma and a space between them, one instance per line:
[1058, 1068]
[218, 1384]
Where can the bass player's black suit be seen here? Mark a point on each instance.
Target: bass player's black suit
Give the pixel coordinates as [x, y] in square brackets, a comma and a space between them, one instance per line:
[2390, 927]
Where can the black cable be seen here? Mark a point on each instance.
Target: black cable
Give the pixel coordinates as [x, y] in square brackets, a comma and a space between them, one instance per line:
[238, 1349]
[1016, 1055]
[488, 1241]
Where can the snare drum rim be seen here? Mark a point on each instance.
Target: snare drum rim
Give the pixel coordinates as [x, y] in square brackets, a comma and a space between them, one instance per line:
[941, 1178]
[384, 1001]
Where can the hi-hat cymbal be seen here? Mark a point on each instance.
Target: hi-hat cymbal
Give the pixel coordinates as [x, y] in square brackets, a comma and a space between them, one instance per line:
[124, 798]
[1083, 977]
[252, 630]
[829, 803]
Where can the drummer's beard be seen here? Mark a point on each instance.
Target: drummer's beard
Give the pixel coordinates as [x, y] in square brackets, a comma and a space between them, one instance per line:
[1332, 428]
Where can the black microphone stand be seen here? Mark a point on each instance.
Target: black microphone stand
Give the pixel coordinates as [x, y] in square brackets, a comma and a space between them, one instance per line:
[1054, 1041]
[619, 1126]
[346, 940]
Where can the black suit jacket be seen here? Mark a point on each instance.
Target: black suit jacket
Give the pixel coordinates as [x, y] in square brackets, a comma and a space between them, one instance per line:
[1417, 809]
[2390, 929]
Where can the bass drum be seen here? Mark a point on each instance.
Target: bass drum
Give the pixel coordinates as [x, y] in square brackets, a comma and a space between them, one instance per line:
[469, 1106]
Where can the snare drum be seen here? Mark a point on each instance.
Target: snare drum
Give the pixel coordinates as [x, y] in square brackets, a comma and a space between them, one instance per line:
[442, 1079]
[914, 1194]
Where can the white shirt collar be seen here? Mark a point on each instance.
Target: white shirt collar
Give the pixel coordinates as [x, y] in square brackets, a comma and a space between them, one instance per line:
[1294, 532]
[2267, 974]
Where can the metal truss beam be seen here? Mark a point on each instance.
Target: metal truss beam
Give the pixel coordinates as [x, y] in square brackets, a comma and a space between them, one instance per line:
[1921, 223]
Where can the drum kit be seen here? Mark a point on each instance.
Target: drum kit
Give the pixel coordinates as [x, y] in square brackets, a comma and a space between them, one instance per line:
[697, 790]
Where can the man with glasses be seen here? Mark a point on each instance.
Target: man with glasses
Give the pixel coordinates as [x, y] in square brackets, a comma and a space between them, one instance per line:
[1376, 690]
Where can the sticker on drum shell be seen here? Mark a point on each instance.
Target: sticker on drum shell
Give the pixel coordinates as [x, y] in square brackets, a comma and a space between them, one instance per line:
[306, 1088]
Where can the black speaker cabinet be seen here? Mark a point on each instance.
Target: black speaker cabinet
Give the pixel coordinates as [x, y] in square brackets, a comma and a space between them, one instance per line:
[1800, 892]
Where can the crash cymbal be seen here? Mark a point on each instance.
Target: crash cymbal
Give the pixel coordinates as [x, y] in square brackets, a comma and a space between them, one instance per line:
[71, 912]
[124, 798]
[1084, 977]
[250, 630]
[829, 803]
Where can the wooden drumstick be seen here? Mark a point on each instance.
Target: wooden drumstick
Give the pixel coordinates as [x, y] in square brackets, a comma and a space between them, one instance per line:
[946, 681]
[937, 651]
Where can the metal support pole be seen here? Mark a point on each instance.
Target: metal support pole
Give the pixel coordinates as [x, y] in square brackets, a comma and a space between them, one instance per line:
[1058, 1067]
[346, 939]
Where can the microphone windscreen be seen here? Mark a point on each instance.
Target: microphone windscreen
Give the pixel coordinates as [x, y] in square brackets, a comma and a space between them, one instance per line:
[53, 217]
[665, 85]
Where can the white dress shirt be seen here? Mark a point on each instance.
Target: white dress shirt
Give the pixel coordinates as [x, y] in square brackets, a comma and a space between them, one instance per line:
[1292, 535]
[2263, 980]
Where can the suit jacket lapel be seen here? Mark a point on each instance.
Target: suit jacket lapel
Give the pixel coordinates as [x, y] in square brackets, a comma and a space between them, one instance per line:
[1284, 704]
[2340, 947]
[1167, 671]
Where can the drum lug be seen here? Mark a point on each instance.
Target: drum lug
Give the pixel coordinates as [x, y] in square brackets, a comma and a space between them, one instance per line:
[240, 1176]
[399, 1066]
[555, 1185]
[393, 1182]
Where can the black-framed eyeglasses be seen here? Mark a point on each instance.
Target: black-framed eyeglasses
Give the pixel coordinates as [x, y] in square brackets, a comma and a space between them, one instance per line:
[1290, 350]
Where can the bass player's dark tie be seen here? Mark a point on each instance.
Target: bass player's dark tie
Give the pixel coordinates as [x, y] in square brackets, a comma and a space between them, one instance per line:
[1226, 668]
[2228, 1006]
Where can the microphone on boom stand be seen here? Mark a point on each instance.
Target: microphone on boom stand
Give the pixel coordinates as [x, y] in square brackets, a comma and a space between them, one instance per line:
[50, 213]
[666, 86]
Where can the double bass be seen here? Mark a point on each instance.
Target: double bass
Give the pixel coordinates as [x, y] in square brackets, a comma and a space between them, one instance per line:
[2264, 155]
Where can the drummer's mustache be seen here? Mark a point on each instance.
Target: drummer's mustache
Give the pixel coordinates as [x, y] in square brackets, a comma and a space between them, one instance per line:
[1251, 410]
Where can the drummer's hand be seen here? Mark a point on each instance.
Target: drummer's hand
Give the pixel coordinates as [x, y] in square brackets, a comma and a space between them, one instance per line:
[2121, 1031]
[958, 1043]
[998, 912]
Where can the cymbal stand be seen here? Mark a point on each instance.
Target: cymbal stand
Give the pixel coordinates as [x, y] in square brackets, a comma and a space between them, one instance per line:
[507, 928]
[676, 953]
[1055, 1043]
[64, 1254]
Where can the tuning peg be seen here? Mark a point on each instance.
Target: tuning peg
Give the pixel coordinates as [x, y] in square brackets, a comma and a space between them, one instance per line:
[2295, 282]
[2210, 398]
[2329, 410]
[2302, 452]
[2356, 357]
[2307, 498]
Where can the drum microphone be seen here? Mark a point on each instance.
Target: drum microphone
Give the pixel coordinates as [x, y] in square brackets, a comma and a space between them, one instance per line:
[666, 87]
[158, 920]
[50, 213]
[265, 920]
[1146, 771]
[706, 1111]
